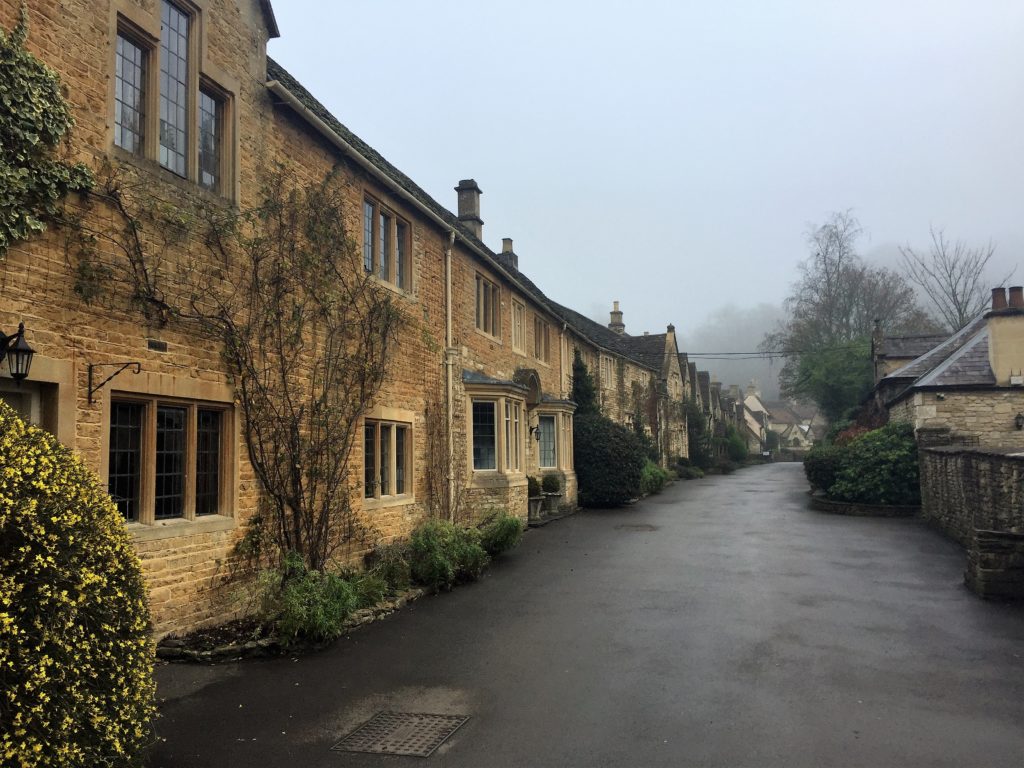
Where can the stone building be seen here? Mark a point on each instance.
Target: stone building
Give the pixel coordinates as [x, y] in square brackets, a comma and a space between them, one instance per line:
[970, 386]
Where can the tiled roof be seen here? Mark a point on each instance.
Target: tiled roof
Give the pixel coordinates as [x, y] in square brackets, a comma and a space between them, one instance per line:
[650, 349]
[704, 382]
[968, 366]
[930, 359]
[909, 347]
[597, 333]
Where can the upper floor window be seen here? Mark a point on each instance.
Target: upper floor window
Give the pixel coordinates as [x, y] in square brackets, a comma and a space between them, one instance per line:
[385, 244]
[488, 306]
[165, 108]
[174, 29]
[518, 326]
[541, 340]
[129, 95]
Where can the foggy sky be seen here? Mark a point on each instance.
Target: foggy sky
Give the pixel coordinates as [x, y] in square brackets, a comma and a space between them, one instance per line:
[672, 155]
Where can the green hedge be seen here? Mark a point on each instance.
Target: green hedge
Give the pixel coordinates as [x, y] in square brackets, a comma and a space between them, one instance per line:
[880, 467]
[821, 465]
[442, 555]
[76, 664]
[652, 478]
[609, 461]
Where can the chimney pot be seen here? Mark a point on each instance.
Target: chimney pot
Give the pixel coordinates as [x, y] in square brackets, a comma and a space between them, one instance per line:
[506, 245]
[671, 328]
[998, 298]
[1017, 297]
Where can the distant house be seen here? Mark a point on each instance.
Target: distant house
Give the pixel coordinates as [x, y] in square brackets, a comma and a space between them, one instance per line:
[970, 384]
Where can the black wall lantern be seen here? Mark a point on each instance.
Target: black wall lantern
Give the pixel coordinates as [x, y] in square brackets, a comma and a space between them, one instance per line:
[18, 353]
[1019, 421]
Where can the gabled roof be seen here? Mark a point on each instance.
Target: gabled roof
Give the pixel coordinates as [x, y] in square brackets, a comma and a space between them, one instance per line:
[704, 382]
[596, 333]
[931, 358]
[909, 347]
[650, 348]
[270, 19]
[968, 366]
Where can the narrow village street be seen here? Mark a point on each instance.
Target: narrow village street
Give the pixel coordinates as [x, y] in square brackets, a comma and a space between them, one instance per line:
[720, 623]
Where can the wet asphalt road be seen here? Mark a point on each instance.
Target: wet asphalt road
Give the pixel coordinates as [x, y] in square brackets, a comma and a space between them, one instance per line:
[720, 623]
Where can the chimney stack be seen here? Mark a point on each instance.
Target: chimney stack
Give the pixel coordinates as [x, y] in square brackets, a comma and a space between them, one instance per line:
[508, 255]
[616, 323]
[469, 206]
[1006, 336]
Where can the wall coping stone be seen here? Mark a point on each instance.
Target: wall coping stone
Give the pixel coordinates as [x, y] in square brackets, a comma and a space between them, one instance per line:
[821, 504]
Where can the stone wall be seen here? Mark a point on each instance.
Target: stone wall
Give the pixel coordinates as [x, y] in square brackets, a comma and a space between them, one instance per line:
[986, 414]
[976, 497]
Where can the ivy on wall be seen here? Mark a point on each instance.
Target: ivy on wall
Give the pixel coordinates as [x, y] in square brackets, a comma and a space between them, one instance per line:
[34, 123]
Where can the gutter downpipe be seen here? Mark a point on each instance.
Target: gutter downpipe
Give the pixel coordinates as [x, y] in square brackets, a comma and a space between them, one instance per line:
[449, 361]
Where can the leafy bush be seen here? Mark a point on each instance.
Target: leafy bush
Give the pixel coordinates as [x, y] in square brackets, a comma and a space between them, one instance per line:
[609, 461]
[370, 588]
[390, 562]
[313, 604]
[442, 554]
[880, 467]
[76, 686]
[724, 465]
[689, 473]
[821, 464]
[652, 478]
[532, 487]
[551, 484]
[735, 446]
[502, 533]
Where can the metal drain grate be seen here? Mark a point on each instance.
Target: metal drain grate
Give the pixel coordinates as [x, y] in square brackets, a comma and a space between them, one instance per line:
[401, 733]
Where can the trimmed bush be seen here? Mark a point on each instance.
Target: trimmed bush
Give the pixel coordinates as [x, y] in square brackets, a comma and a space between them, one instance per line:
[609, 461]
[390, 562]
[313, 604]
[652, 478]
[735, 447]
[821, 464]
[500, 534]
[370, 589]
[76, 685]
[880, 467]
[551, 484]
[442, 555]
[724, 466]
[690, 473]
[532, 487]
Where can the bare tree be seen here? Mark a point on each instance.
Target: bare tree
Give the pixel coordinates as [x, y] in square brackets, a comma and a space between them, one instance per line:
[952, 277]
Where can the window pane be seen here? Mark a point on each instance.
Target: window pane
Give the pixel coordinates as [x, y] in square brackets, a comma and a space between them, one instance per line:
[517, 448]
[209, 140]
[401, 233]
[385, 460]
[370, 460]
[483, 436]
[208, 452]
[385, 247]
[547, 441]
[173, 88]
[125, 457]
[170, 462]
[129, 95]
[508, 435]
[368, 236]
[400, 458]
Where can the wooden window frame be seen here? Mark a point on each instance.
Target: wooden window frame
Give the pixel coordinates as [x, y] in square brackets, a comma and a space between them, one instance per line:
[395, 458]
[147, 472]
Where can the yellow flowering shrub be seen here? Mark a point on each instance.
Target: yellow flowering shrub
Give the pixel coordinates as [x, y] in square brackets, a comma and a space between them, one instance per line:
[76, 663]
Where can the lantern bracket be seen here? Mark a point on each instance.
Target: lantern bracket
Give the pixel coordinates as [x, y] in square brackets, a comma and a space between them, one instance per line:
[121, 369]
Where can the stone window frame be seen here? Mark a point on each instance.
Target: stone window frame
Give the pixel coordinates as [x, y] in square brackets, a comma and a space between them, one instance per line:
[487, 306]
[384, 415]
[400, 267]
[518, 326]
[147, 476]
[142, 27]
[504, 465]
[542, 339]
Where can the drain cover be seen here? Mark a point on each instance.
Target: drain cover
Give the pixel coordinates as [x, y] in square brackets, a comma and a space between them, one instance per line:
[401, 733]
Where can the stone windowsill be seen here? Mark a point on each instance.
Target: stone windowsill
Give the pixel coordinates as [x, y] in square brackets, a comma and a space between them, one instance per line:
[167, 529]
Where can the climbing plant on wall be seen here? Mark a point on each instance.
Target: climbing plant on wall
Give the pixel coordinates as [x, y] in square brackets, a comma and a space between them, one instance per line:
[35, 175]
